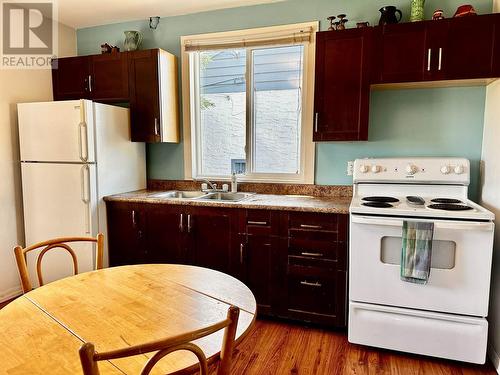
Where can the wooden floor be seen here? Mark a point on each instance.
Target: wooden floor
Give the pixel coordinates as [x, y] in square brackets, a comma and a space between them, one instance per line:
[280, 348]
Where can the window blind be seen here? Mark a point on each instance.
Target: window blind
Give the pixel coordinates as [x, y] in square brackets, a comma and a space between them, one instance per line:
[284, 37]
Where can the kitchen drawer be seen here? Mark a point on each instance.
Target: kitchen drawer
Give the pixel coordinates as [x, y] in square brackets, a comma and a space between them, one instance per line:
[312, 221]
[312, 235]
[310, 262]
[298, 268]
[312, 294]
[258, 222]
[262, 222]
[313, 248]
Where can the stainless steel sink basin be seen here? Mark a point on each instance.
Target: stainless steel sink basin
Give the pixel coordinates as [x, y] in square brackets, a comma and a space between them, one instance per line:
[226, 197]
[179, 194]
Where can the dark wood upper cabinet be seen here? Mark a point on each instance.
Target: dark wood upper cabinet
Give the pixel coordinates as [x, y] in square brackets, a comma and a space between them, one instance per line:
[470, 47]
[153, 96]
[401, 53]
[147, 79]
[70, 78]
[342, 85]
[109, 77]
[99, 77]
[452, 49]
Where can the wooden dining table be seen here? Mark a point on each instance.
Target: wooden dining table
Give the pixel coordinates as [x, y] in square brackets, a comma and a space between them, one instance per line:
[41, 331]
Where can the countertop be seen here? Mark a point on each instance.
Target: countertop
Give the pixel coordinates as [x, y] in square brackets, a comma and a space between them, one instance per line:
[337, 205]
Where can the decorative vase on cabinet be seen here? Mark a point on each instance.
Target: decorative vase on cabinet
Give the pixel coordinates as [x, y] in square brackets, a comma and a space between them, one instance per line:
[417, 10]
[133, 40]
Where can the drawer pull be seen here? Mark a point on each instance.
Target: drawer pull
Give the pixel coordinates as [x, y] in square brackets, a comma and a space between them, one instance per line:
[307, 283]
[429, 59]
[307, 226]
[257, 222]
[318, 255]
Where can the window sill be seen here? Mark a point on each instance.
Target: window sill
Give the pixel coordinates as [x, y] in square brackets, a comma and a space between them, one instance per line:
[301, 180]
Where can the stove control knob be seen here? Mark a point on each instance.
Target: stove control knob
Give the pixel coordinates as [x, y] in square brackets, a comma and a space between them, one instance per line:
[411, 169]
[445, 169]
[376, 168]
[364, 168]
[459, 169]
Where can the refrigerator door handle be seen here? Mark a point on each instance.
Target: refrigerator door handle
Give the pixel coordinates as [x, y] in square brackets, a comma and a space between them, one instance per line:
[85, 182]
[83, 141]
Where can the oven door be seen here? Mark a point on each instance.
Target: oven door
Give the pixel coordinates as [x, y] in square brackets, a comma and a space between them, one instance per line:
[459, 281]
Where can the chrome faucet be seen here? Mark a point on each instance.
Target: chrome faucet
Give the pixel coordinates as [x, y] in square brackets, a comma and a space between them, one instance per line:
[213, 187]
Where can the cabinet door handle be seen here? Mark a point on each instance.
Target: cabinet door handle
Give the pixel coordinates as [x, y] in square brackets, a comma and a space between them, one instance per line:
[181, 223]
[317, 284]
[241, 253]
[317, 255]
[90, 83]
[307, 226]
[429, 57]
[134, 223]
[157, 130]
[189, 223]
[316, 117]
[440, 57]
[257, 222]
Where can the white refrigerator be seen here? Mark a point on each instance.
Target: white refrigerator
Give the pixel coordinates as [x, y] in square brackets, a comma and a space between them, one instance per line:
[73, 153]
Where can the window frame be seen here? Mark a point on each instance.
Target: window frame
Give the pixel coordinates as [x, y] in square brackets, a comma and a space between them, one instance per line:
[191, 110]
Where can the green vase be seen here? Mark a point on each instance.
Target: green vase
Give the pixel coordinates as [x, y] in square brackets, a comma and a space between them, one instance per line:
[417, 10]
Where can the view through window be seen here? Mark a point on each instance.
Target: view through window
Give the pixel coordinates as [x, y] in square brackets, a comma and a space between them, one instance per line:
[248, 125]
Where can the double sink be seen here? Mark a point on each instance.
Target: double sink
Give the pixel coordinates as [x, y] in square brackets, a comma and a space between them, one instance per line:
[203, 196]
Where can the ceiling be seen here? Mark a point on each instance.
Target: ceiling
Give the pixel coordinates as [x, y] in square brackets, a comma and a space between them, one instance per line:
[79, 14]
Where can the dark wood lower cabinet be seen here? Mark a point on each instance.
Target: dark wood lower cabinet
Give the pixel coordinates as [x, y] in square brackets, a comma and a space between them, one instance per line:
[165, 237]
[126, 239]
[212, 238]
[295, 263]
[259, 259]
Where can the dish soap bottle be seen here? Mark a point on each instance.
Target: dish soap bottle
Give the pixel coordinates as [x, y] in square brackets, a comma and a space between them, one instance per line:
[234, 183]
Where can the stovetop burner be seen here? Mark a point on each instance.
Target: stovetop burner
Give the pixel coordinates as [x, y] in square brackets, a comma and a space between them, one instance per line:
[377, 204]
[449, 207]
[445, 200]
[380, 199]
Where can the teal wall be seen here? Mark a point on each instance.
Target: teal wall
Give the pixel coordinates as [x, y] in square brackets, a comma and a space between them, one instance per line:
[424, 122]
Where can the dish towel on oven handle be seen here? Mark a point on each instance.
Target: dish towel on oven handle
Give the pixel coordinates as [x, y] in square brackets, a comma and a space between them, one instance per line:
[416, 251]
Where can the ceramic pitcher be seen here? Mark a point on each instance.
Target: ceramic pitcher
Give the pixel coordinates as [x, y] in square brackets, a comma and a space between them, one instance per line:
[417, 10]
[388, 15]
[133, 40]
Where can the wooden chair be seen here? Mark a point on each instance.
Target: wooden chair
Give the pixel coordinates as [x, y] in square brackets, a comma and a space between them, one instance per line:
[89, 357]
[20, 254]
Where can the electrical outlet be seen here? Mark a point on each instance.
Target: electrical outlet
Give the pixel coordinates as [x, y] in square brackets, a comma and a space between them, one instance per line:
[350, 167]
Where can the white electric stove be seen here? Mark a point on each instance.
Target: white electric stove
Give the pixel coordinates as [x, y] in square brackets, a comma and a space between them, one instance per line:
[446, 317]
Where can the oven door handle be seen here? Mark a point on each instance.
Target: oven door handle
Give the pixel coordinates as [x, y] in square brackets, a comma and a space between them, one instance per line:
[456, 225]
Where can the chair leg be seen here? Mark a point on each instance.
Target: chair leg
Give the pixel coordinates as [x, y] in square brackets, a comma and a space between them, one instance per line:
[89, 366]
[229, 342]
[23, 269]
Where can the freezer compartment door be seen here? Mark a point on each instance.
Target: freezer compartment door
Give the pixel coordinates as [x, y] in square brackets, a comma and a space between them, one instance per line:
[59, 201]
[57, 131]
[435, 334]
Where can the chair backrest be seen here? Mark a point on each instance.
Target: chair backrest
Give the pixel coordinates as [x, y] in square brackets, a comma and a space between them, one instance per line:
[89, 357]
[61, 243]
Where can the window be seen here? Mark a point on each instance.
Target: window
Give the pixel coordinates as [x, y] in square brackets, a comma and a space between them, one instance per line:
[250, 107]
